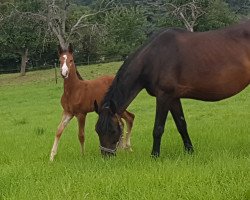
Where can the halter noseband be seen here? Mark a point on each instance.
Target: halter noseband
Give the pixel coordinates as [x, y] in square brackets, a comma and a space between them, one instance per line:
[107, 150]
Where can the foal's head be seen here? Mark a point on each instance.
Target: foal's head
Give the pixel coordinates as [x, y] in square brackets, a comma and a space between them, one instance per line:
[108, 128]
[66, 60]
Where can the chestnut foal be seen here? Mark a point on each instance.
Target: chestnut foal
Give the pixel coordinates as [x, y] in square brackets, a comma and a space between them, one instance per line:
[78, 100]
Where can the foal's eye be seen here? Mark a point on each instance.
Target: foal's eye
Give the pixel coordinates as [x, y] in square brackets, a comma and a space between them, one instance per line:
[71, 61]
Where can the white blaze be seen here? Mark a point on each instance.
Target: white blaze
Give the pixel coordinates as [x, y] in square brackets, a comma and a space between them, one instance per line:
[65, 68]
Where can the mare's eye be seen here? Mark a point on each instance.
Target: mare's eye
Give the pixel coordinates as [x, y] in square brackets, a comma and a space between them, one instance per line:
[71, 61]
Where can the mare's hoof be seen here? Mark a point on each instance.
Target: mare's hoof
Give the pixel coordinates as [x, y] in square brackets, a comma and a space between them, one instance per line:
[155, 154]
[189, 149]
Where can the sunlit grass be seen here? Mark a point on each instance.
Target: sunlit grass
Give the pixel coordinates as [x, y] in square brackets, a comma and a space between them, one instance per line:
[30, 112]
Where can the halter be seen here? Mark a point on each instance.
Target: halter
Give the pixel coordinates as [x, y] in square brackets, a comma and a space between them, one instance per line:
[107, 150]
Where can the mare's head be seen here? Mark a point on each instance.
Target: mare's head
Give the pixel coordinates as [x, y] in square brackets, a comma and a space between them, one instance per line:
[66, 60]
[108, 128]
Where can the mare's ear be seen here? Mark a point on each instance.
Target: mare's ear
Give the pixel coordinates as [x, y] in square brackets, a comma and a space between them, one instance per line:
[112, 106]
[96, 107]
[70, 48]
[60, 50]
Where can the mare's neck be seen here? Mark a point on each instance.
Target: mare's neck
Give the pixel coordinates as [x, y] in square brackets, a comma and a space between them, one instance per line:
[125, 86]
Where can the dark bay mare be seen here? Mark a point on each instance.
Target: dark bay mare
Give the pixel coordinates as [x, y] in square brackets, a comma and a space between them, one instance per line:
[175, 64]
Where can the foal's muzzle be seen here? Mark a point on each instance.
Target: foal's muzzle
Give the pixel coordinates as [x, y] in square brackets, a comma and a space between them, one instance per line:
[65, 76]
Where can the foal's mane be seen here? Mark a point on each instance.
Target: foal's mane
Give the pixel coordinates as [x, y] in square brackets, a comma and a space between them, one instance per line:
[78, 74]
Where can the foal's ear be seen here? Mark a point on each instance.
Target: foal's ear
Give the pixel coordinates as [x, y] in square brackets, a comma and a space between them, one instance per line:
[70, 48]
[96, 107]
[60, 50]
[112, 106]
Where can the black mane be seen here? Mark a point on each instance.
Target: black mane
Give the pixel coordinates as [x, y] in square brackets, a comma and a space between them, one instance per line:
[115, 87]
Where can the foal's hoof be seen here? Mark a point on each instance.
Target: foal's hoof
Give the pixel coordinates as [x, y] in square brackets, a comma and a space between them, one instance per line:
[51, 159]
[128, 148]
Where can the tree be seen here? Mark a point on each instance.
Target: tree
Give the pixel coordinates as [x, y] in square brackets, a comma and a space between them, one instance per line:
[217, 15]
[240, 6]
[56, 14]
[22, 37]
[125, 30]
[62, 19]
[186, 11]
[195, 15]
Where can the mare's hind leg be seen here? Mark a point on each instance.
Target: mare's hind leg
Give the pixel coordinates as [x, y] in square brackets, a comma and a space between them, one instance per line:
[178, 115]
[129, 119]
[65, 120]
[81, 124]
[162, 107]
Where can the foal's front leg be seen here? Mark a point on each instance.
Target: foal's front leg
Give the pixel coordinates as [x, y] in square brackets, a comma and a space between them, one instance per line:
[162, 108]
[65, 120]
[81, 124]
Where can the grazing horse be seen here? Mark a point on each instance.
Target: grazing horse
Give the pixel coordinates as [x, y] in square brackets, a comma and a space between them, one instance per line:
[175, 64]
[78, 100]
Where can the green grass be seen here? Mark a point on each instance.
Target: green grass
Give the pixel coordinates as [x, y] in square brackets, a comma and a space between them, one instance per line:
[30, 112]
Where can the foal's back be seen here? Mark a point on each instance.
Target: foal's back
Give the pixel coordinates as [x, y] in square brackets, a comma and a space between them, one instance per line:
[91, 90]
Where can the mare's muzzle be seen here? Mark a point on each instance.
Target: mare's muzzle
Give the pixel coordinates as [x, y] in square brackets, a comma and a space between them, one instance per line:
[107, 152]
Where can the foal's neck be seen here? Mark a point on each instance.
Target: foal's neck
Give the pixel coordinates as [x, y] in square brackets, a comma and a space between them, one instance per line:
[71, 81]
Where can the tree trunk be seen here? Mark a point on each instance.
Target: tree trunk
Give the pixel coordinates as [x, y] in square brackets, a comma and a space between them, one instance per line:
[24, 62]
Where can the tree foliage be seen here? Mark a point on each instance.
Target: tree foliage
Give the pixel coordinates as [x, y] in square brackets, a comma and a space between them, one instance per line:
[125, 30]
[101, 28]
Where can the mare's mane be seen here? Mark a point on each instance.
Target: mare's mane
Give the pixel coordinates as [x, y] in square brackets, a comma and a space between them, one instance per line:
[115, 87]
[104, 122]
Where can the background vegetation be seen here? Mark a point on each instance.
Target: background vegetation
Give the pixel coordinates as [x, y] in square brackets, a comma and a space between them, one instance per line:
[100, 30]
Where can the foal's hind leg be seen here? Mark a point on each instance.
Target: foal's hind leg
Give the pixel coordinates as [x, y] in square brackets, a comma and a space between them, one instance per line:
[129, 119]
[81, 124]
[65, 120]
[178, 115]
[121, 142]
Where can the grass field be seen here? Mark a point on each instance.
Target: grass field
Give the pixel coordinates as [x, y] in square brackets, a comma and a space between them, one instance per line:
[30, 112]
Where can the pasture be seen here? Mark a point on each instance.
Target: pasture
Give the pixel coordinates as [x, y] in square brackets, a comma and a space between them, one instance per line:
[30, 113]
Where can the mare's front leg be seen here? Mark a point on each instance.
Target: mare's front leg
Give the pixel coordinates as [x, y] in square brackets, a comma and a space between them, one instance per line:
[81, 124]
[66, 117]
[162, 107]
[178, 115]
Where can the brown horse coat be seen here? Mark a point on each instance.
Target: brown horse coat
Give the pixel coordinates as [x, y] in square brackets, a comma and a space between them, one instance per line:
[78, 99]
